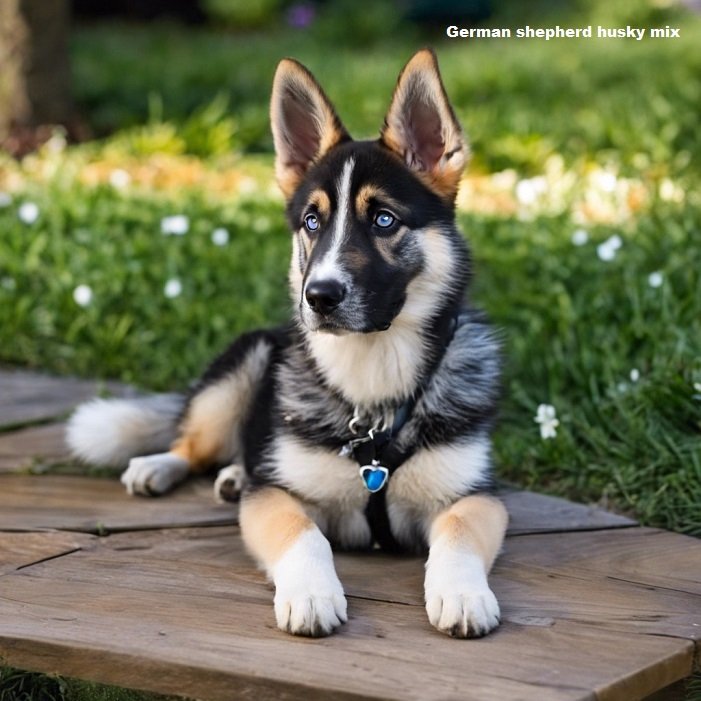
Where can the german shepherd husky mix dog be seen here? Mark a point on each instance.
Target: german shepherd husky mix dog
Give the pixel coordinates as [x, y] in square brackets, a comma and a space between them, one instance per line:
[366, 421]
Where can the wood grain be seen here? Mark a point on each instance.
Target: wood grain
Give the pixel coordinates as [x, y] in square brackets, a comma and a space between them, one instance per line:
[31, 502]
[30, 397]
[37, 446]
[19, 550]
[185, 611]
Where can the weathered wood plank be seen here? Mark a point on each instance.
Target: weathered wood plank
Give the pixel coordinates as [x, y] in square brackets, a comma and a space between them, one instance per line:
[185, 611]
[19, 550]
[30, 502]
[32, 447]
[530, 512]
[29, 397]
[85, 504]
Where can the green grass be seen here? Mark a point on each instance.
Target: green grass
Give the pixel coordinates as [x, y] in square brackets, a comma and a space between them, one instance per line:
[574, 325]
[17, 685]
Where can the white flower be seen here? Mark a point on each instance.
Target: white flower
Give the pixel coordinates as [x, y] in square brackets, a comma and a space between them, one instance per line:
[119, 179]
[669, 192]
[608, 249]
[28, 212]
[655, 279]
[172, 288]
[634, 375]
[697, 386]
[177, 225]
[5, 199]
[82, 295]
[580, 237]
[220, 237]
[606, 181]
[528, 191]
[547, 419]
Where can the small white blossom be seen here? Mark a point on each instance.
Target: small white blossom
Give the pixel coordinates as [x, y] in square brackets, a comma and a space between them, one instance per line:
[220, 237]
[176, 225]
[119, 179]
[172, 288]
[634, 375]
[622, 387]
[655, 279]
[546, 417]
[606, 181]
[608, 249]
[580, 237]
[82, 295]
[669, 192]
[5, 199]
[697, 386]
[28, 213]
[529, 190]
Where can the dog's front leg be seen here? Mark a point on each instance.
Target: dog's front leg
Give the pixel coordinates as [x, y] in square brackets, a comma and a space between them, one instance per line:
[309, 598]
[463, 544]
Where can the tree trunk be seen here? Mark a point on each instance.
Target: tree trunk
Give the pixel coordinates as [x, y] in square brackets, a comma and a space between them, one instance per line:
[34, 64]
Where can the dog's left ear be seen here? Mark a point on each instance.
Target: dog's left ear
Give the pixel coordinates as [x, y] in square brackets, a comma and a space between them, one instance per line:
[421, 127]
[304, 123]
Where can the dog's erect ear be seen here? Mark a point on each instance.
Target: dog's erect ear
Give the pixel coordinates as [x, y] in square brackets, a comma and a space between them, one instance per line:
[421, 127]
[305, 125]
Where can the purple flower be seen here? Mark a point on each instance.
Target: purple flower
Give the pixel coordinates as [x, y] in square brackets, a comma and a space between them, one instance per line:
[300, 15]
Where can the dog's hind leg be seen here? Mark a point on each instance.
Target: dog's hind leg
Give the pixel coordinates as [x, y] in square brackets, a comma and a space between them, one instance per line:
[210, 429]
[464, 542]
[309, 598]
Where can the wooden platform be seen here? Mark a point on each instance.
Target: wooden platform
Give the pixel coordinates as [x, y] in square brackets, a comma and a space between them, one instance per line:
[159, 595]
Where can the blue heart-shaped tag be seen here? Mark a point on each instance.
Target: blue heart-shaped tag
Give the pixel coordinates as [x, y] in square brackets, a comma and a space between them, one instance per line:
[374, 477]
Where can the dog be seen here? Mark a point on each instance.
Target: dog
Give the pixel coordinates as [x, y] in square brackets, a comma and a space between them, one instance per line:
[366, 421]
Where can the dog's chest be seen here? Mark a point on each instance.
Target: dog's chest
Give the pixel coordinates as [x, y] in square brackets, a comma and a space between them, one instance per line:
[337, 496]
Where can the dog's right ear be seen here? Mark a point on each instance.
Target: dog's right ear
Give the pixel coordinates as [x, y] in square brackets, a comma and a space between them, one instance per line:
[304, 123]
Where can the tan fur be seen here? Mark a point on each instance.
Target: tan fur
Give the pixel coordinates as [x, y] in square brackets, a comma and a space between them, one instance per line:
[422, 73]
[372, 192]
[320, 199]
[210, 433]
[271, 521]
[477, 523]
[291, 75]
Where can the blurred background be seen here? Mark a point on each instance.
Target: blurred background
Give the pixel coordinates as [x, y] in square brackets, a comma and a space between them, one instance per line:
[141, 229]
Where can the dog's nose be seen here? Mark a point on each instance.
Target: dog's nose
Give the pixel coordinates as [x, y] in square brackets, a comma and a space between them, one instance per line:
[323, 296]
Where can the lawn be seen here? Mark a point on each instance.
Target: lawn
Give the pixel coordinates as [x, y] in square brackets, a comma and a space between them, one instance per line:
[582, 206]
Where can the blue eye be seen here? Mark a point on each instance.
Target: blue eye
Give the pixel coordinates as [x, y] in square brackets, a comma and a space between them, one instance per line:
[384, 220]
[311, 222]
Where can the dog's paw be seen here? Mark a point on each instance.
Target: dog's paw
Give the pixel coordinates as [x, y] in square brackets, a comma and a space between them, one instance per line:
[309, 598]
[459, 601]
[229, 483]
[154, 474]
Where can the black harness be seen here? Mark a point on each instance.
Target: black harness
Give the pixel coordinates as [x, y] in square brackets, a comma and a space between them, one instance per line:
[379, 454]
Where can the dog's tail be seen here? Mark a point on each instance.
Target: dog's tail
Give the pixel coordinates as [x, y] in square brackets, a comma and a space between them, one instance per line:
[112, 431]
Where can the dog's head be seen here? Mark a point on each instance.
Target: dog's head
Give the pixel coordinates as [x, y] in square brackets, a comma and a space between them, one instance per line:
[373, 221]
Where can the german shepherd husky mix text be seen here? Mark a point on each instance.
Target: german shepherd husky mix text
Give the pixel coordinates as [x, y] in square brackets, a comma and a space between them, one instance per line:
[366, 421]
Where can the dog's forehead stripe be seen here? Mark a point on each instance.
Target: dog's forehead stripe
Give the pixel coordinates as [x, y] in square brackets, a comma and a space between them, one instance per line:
[329, 267]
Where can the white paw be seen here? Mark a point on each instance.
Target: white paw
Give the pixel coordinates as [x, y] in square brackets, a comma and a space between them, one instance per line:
[154, 474]
[459, 601]
[309, 598]
[229, 483]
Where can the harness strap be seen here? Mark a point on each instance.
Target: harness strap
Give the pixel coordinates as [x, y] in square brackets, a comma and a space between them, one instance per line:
[382, 448]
